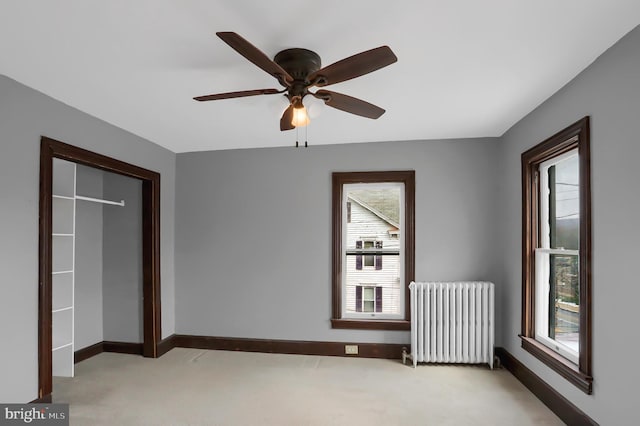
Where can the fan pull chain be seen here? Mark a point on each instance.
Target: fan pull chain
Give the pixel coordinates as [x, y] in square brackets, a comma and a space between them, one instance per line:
[306, 144]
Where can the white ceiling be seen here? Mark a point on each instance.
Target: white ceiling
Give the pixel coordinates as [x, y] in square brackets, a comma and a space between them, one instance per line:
[466, 68]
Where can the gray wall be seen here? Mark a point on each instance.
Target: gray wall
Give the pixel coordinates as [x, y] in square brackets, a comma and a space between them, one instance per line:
[88, 261]
[122, 260]
[609, 92]
[108, 285]
[253, 228]
[25, 115]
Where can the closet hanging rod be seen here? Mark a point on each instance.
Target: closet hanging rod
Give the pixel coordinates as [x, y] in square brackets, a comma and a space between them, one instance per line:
[98, 200]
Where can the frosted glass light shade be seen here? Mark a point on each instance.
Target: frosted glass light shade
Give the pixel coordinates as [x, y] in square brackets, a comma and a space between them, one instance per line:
[315, 106]
[300, 117]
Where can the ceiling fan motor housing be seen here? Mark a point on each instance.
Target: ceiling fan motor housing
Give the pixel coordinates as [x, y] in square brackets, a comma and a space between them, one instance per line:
[299, 63]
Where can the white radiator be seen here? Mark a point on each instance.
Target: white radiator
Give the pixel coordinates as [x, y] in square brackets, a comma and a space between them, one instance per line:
[452, 322]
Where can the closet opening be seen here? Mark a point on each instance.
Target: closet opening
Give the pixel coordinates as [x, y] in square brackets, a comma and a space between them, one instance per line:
[57, 245]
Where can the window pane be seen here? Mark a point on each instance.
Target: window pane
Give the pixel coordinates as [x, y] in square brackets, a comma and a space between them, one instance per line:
[557, 302]
[375, 221]
[375, 214]
[564, 289]
[368, 293]
[564, 204]
[368, 259]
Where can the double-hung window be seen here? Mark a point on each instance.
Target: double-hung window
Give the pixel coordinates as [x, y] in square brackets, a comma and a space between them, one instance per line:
[373, 246]
[365, 258]
[556, 320]
[368, 298]
[557, 283]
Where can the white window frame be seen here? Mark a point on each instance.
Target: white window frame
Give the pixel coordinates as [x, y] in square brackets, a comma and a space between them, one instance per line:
[542, 263]
[401, 237]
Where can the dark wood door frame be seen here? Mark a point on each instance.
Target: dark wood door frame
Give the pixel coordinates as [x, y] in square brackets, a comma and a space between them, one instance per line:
[50, 149]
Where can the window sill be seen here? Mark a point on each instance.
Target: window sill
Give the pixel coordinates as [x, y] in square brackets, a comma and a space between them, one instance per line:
[559, 364]
[399, 325]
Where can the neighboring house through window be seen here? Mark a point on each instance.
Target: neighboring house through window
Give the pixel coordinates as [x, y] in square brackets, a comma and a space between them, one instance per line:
[373, 243]
[556, 321]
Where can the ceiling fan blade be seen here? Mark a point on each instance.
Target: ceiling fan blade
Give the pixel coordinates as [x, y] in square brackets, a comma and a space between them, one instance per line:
[349, 104]
[255, 55]
[241, 94]
[285, 121]
[354, 66]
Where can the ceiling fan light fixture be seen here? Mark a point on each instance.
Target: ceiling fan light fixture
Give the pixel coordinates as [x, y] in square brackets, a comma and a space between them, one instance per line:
[315, 106]
[298, 70]
[300, 116]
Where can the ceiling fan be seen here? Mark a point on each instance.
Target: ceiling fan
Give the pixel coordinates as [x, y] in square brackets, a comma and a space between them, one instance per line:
[298, 70]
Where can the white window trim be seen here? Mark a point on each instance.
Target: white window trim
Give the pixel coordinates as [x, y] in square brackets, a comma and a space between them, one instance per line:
[542, 266]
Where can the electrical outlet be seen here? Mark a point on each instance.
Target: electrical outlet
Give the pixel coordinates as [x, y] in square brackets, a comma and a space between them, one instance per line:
[351, 349]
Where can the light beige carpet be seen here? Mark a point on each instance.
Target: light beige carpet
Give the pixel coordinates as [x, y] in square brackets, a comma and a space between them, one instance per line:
[200, 387]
